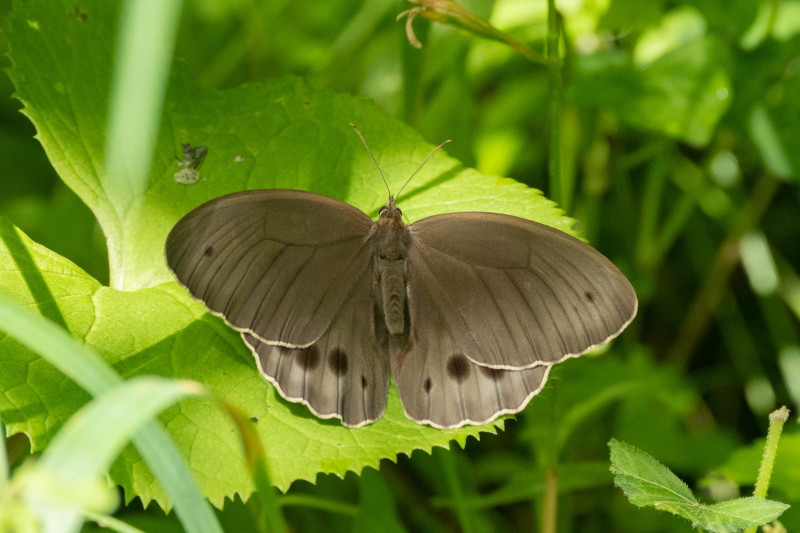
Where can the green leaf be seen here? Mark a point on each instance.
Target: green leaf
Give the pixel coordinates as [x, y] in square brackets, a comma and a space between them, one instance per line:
[162, 331]
[57, 348]
[646, 482]
[67, 479]
[283, 133]
[146, 36]
[87, 444]
[769, 143]
[731, 515]
[279, 134]
[677, 85]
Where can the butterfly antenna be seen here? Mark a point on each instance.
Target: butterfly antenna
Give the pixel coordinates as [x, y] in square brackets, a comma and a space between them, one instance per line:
[421, 165]
[373, 158]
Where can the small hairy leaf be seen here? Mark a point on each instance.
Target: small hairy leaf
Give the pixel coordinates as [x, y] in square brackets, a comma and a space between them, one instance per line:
[646, 482]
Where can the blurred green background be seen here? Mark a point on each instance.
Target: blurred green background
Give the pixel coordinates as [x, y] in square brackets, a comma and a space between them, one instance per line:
[680, 149]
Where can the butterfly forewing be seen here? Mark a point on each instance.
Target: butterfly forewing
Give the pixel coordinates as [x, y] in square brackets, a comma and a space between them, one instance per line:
[278, 264]
[514, 293]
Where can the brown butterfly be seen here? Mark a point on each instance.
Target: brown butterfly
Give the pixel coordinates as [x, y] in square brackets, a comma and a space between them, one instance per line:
[469, 310]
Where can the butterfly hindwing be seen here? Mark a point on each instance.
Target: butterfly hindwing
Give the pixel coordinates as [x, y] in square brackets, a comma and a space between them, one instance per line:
[441, 386]
[344, 374]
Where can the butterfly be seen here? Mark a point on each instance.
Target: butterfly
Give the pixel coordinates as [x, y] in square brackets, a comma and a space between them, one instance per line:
[468, 310]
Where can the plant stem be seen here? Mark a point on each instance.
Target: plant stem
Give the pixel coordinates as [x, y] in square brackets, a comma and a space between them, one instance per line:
[107, 522]
[145, 41]
[777, 418]
[448, 462]
[270, 517]
[4, 462]
[270, 503]
[550, 510]
[548, 459]
[321, 504]
[412, 63]
[557, 192]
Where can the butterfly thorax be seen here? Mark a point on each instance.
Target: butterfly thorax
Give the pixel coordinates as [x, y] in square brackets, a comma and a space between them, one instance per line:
[389, 240]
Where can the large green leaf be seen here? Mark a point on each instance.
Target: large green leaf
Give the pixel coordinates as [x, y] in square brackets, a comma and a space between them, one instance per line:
[162, 331]
[278, 134]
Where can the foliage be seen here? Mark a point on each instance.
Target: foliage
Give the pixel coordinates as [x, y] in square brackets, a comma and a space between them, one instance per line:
[675, 132]
[177, 337]
[647, 482]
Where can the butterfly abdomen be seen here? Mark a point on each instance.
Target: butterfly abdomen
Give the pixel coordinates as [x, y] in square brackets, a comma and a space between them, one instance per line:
[389, 241]
[393, 292]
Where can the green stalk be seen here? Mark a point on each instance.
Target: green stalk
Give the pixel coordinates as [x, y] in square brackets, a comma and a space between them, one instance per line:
[557, 192]
[655, 180]
[550, 507]
[707, 298]
[560, 194]
[4, 462]
[321, 504]
[777, 419]
[411, 63]
[548, 460]
[448, 462]
[271, 517]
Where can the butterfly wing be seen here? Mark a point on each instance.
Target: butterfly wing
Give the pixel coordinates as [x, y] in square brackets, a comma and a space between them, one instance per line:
[442, 387]
[292, 271]
[277, 264]
[344, 374]
[514, 293]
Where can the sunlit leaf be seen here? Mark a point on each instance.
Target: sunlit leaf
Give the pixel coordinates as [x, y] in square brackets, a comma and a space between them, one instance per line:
[648, 483]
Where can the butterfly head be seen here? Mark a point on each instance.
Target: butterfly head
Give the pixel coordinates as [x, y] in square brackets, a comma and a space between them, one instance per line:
[390, 214]
[390, 210]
